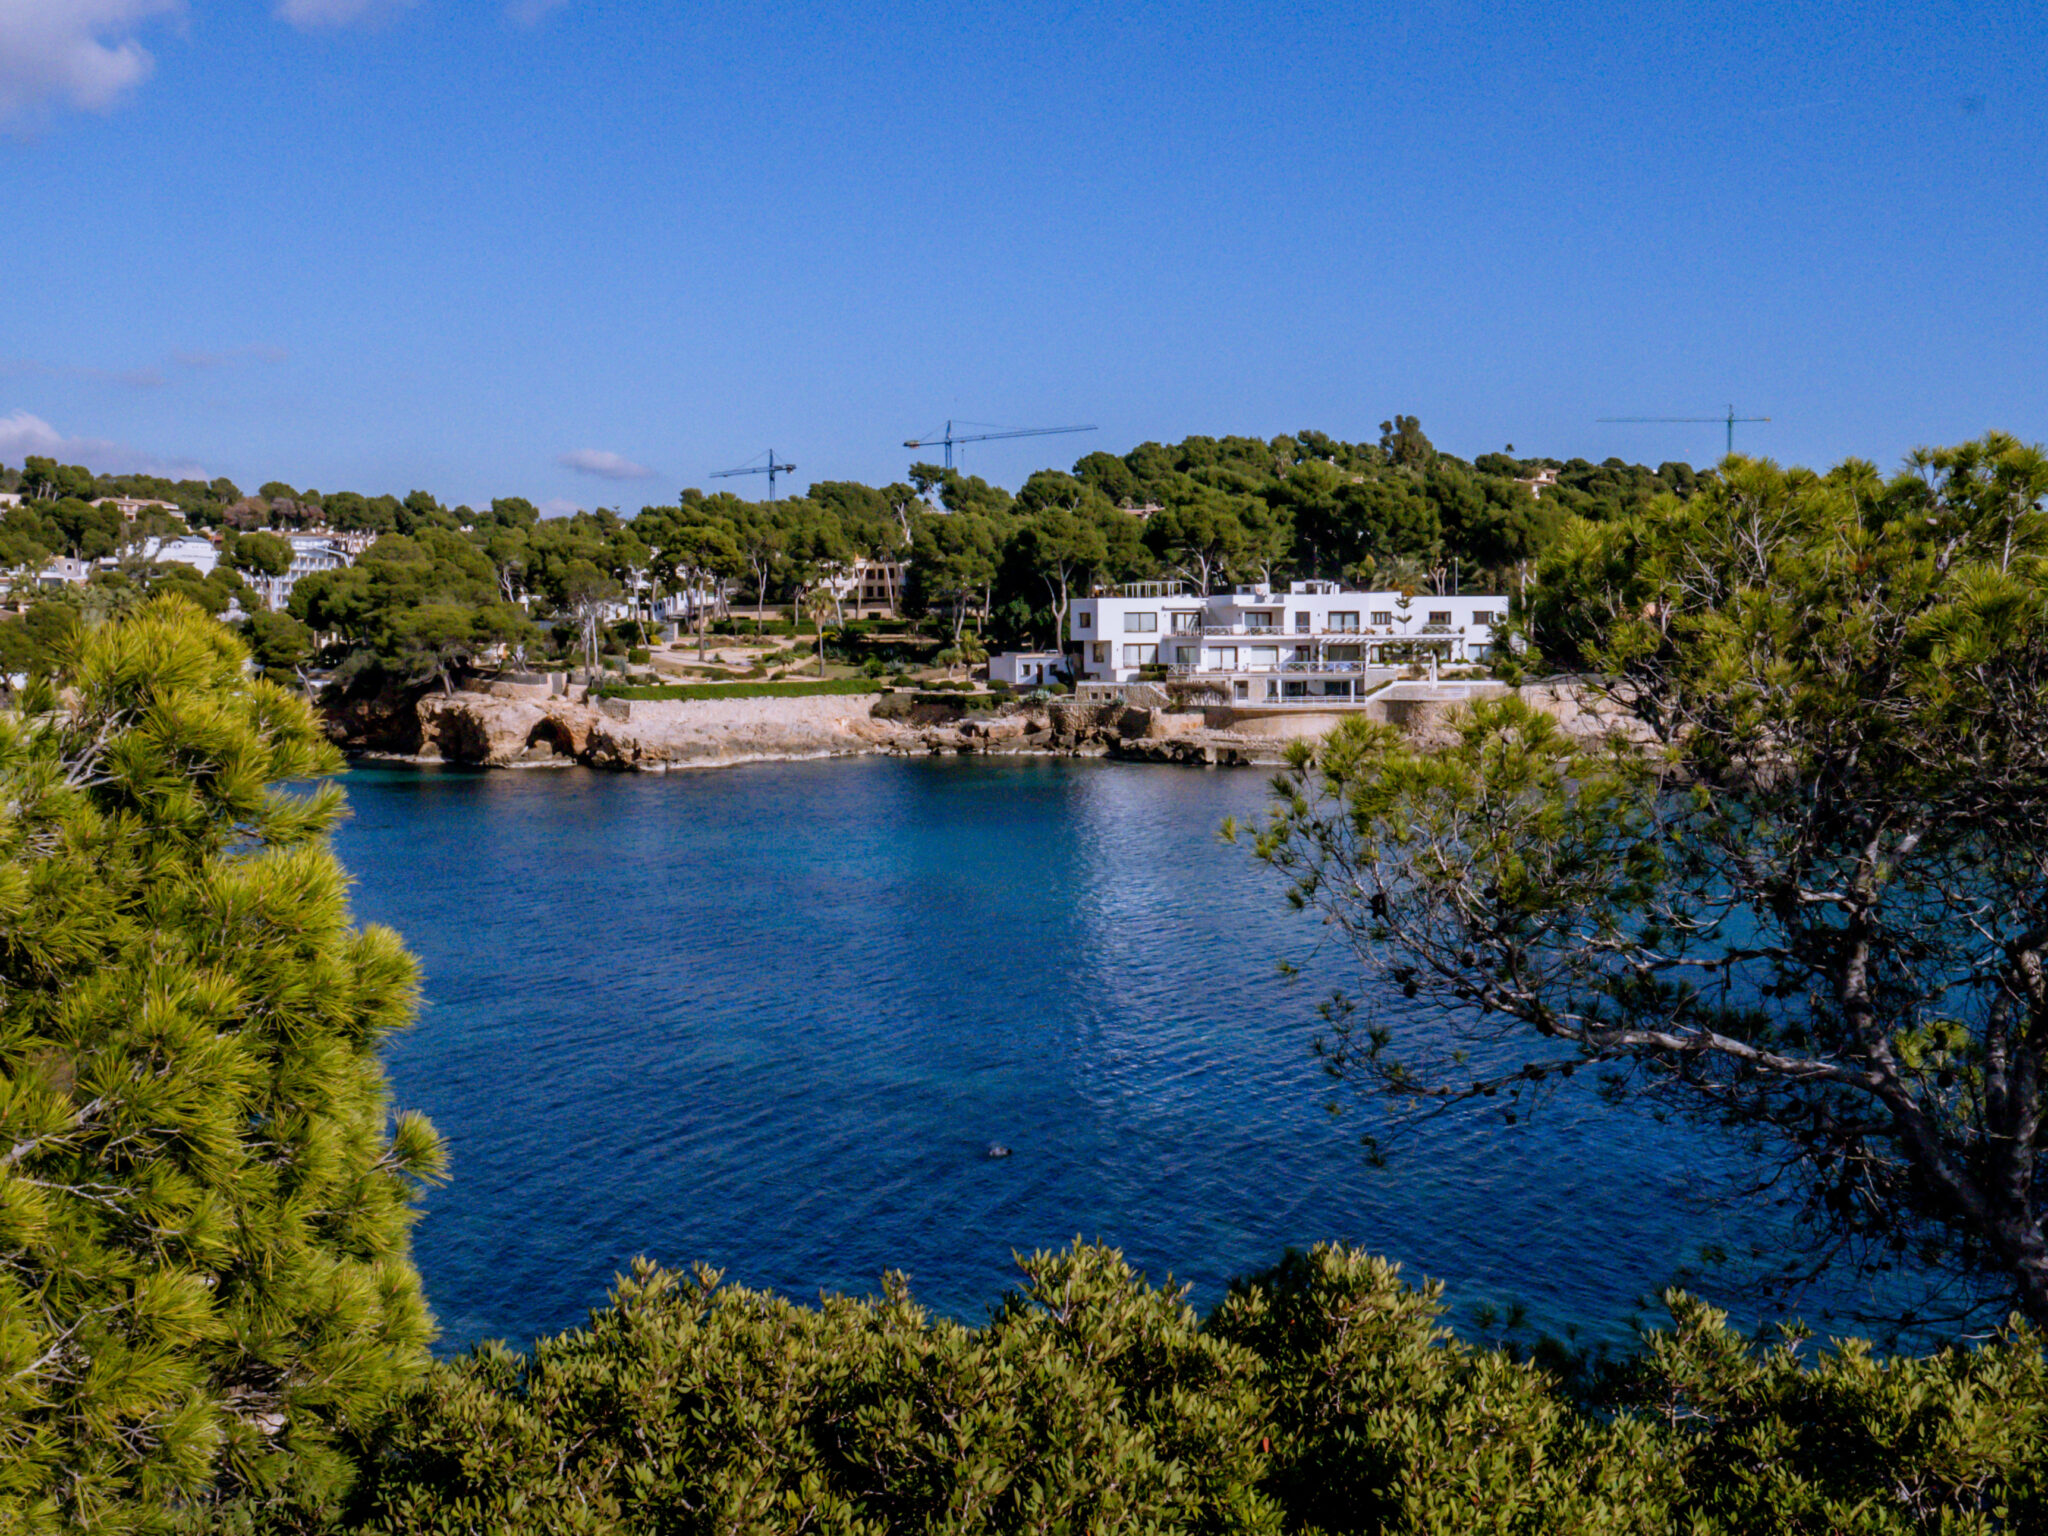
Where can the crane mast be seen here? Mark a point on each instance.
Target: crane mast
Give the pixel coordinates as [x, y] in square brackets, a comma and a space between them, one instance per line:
[1728, 421]
[771, 469]
[949, 437]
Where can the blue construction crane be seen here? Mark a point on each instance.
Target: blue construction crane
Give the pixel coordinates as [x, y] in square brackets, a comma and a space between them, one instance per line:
[771, 469]
[949, 437]
[1729, 421]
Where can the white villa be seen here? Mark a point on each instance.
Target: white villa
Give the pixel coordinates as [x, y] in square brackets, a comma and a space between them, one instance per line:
[1311, 644]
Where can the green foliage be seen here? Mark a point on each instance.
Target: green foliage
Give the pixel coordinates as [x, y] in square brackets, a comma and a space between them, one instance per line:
[260, 554]
[1796, 890]
[204, 1206]
[1322, 1396]
[279, 643]
[423, 606]
[33, 643]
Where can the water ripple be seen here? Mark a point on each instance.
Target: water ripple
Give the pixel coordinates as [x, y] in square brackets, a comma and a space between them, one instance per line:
[772, 1019]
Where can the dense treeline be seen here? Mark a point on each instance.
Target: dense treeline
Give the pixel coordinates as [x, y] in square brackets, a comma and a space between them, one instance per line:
[443, 585]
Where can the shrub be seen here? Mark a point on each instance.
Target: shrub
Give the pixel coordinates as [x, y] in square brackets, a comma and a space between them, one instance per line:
[1322, 1395]
[639, 656]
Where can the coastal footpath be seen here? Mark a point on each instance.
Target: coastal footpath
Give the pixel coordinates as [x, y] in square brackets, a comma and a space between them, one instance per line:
[521, 724]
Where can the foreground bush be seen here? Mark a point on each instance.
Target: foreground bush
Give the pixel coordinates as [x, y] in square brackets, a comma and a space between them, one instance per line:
[1324, 1395]
[204, 1209]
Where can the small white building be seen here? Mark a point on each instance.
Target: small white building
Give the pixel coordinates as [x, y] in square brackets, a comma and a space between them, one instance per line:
[683, 606]
[1027, 669]
[190, 549]
[1313, 643]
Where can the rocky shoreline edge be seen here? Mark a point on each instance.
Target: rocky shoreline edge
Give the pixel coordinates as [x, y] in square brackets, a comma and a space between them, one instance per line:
[494, 724]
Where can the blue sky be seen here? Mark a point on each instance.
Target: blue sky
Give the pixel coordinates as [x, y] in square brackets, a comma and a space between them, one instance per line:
[360, 244]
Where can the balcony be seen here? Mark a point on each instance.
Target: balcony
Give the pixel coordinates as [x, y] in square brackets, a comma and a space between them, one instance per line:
[1320, 632]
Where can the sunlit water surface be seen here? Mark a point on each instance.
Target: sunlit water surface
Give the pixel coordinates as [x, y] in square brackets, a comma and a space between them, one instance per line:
[773, 1019]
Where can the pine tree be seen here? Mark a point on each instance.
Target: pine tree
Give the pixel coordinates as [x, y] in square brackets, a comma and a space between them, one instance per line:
[205, 1278]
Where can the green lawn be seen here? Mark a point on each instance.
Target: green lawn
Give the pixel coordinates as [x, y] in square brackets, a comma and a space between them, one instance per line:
[802, 688]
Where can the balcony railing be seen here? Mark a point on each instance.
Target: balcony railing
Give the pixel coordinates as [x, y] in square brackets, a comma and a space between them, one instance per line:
[1320, 632]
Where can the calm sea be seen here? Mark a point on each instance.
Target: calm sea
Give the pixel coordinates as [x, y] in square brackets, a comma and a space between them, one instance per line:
[773, 1019]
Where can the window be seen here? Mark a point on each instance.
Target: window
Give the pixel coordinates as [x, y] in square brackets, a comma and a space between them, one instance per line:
[1226, 658]
[1437, 617]
[1140, 623]
[1261, 621]
[1343, 653]
[1084, 621]
[1344, 623]
[1301, 623]
[1102, 651]
[1241, 689]
[1185, 623]
[1263, 655]
[1382, 619]
[1140, 655]
[1187, 655]
[1483, 617]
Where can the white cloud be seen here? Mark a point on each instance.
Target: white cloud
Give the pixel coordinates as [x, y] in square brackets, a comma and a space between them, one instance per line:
[606, 466]
[81, 53]
[32, 368]
[23, 434]
[252, 354]
[530, 13]
[308, 14]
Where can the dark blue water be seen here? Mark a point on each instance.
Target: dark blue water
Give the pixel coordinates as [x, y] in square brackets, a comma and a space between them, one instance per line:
[772, 1018]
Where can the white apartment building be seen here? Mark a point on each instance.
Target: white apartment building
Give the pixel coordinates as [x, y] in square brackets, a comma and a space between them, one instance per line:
[310, 552]
[1313, 643]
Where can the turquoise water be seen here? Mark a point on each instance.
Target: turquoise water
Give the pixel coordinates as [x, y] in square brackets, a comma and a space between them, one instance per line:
[773, 1018]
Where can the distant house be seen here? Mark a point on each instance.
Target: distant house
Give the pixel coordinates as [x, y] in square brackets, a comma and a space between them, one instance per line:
[131, 507]
[683, 607]
[190, 549]
[872, 588]
[1538, 483]
[352, 543]
[10, 498]
[1026, 669]
[63, 572]
[310, 552]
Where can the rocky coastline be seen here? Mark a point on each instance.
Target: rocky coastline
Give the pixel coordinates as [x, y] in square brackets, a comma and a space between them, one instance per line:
[522, 724]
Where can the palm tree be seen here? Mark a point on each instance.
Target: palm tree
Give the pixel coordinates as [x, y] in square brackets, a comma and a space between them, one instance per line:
[819, 604]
